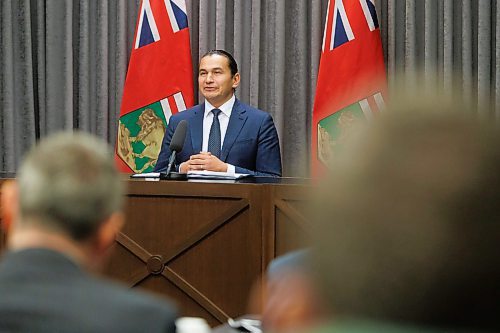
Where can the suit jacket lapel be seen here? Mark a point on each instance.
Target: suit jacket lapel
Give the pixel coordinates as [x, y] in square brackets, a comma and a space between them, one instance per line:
[236, 122]
[196, 127]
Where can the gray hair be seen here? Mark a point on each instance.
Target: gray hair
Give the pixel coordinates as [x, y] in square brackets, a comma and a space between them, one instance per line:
[68, 182]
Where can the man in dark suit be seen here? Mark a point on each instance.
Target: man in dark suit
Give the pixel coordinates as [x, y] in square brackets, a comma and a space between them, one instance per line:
[61, 215]
[224, 134]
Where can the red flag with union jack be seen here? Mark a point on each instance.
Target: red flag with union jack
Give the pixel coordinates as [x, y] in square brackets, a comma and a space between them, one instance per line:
[159, 83]
[352, 81]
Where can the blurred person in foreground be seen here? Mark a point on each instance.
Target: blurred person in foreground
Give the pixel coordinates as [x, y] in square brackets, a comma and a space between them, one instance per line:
[291, 300]
[61, 215]
[408, 235]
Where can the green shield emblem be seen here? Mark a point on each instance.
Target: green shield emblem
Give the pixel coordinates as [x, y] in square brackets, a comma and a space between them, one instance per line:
[140, 135]
[334, 130]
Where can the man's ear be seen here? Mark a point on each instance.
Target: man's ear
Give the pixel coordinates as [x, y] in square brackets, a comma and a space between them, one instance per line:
[9, 204]
[236, 80]
[108, 230]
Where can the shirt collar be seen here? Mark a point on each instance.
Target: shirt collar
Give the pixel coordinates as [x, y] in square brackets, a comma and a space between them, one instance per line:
[226, 108]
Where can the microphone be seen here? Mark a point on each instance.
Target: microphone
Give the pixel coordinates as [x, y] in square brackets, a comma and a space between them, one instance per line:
[176, 145]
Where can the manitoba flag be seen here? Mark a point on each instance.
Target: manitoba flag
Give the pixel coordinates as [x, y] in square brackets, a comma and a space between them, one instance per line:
[352, 81]
[159, 83]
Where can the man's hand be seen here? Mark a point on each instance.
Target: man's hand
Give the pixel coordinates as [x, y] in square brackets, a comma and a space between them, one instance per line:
[203, 161]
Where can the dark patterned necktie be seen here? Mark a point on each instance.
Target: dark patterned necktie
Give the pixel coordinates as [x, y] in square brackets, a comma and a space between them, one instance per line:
[214, 138]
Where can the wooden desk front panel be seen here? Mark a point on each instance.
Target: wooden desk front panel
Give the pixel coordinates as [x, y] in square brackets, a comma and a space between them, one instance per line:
[214, 239]
[289, 226]
[209, 236]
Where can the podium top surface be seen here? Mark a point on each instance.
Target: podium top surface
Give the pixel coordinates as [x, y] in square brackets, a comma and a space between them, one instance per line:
[246, 180]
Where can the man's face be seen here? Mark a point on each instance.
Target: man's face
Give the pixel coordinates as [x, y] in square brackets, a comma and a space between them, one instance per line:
[215, 80]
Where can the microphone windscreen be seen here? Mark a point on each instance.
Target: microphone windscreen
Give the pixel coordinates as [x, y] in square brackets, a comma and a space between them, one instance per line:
[179, 136]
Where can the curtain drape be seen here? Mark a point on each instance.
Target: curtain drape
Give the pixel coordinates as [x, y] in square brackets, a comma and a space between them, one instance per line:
[63, 62]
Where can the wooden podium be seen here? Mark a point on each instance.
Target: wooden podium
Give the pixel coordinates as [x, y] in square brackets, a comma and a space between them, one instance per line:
[204, 244]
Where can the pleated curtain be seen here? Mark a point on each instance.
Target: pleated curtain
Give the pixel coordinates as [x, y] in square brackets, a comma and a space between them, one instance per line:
[63, 62]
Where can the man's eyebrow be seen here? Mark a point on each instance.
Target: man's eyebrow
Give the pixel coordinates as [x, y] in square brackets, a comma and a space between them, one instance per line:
[213, 69]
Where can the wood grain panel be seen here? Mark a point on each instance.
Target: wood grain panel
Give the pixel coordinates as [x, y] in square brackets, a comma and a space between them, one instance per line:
[288, 222]
[204, 244]
[198, 243]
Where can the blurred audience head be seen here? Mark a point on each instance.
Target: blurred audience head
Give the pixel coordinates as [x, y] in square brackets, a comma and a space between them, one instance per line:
[409, 225]
[291, 301]
[68, 189]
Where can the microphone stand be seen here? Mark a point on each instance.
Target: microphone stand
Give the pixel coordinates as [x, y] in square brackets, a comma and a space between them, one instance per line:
[169, 174]
[171, 162]
[176, 146]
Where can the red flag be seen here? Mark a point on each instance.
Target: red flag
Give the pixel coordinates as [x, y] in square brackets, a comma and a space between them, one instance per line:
[351, 80]
[159, 83]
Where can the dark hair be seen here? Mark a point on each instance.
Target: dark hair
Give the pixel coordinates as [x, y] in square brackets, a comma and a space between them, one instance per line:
[232, 63]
